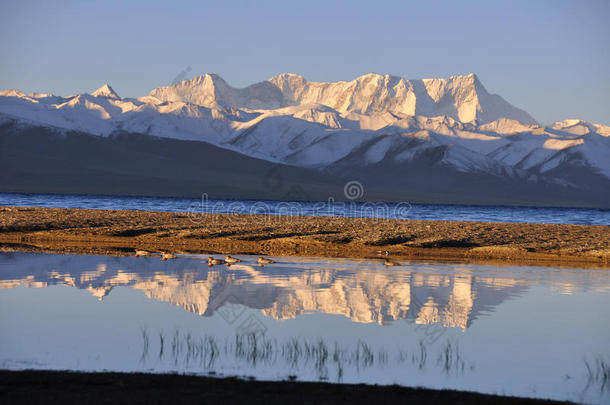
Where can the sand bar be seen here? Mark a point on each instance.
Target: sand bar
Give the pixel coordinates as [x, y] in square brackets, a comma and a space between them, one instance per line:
[119, 232]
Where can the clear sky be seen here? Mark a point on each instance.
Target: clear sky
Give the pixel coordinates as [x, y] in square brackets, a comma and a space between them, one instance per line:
[551, 58]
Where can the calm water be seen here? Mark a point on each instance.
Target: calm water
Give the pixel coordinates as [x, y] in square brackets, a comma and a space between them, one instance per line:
[509, 330]
[404, 210]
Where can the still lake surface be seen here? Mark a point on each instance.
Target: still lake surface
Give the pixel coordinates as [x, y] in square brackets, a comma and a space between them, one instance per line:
[405, 210]
[525, 331]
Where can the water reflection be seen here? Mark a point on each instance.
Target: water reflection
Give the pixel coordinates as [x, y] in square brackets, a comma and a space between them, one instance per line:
[296, 353]
[598, 374]
[510, 330]
[358, 290]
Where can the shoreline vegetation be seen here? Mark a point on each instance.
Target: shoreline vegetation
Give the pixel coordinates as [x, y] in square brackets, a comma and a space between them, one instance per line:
[121, 232]
[68, 387]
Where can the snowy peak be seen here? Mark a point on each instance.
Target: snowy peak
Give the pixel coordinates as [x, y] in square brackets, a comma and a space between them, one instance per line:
[105, 91]
[467, 100]
[210, 90]
[463, 98]
[12, 93]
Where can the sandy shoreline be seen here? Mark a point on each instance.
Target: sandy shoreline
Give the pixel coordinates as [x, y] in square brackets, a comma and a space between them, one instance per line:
[116, 232]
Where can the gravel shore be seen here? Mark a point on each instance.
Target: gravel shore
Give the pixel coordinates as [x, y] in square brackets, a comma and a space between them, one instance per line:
[117, 232]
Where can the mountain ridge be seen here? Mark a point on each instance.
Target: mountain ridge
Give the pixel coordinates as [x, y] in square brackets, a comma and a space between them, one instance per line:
[459, 96]
[371, 122]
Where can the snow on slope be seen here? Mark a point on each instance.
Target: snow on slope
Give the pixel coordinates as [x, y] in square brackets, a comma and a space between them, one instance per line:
[369, 120]
[211, 90]
[105, 91]
[461, 97]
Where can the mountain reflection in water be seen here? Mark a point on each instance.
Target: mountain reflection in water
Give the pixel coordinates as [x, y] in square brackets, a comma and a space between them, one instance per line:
[363, 291]
[515, 330]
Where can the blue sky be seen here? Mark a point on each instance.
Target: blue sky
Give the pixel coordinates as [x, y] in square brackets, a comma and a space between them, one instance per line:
[551, 58]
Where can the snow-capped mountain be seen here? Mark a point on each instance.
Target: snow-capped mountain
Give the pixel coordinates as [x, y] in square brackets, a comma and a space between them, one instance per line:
[461, 97]
[373, 121]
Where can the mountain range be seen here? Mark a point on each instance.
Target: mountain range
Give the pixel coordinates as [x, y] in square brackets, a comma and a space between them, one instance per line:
[430, 140]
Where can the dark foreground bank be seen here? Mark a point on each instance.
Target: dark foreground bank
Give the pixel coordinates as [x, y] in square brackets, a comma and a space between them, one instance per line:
[18, 387]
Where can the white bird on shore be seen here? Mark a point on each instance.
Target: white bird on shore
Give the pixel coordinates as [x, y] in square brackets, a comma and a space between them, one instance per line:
[142, 253]
[262, 260]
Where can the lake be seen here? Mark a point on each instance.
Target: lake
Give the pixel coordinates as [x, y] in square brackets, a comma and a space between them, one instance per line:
[404, 210]
[526, 331]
